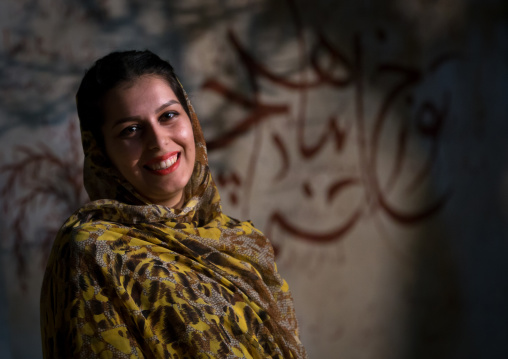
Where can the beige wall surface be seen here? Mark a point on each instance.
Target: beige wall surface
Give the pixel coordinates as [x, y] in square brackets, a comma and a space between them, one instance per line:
[367, 139]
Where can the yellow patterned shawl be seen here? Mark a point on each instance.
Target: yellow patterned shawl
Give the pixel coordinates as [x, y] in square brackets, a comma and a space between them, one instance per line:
[128, 279]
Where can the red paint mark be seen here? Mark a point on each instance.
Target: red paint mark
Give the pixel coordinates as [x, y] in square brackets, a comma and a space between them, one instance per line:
[337, 61]
[331, 132]
[407, 78]
[224, 180]
[280, 220]
[25, 189]
[402, 140]
[276, 250]
[233, 198]
[256, 69]
[260, 112]
[307, 189]
[406, 217]
[429, 121]
[332, 67]
[284, 154]
[335, 188]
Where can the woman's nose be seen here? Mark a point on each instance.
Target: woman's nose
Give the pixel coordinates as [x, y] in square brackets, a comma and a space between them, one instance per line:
[154, 136]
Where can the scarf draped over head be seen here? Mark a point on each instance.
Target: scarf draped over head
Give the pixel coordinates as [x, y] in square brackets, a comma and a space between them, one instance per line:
[130, 279]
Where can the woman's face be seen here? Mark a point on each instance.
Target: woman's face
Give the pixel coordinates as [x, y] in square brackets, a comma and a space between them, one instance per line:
[148, 137]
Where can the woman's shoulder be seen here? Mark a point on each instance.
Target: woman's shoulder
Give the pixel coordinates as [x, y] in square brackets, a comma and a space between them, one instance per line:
[100, 215]
[233, 222]
[85, 227]
[245, 234]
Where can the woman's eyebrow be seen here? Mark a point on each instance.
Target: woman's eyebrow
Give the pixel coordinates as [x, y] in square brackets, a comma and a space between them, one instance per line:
[163, 106]
[125, 119]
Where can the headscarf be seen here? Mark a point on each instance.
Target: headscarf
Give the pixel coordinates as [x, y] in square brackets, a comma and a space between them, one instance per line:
[130, 279]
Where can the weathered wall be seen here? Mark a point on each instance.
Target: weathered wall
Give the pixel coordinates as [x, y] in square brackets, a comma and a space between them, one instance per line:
[366, 138]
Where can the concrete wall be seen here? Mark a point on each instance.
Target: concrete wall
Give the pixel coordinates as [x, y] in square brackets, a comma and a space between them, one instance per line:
[366, 138]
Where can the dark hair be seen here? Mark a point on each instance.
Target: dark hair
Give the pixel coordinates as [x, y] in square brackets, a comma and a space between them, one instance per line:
[112, 70]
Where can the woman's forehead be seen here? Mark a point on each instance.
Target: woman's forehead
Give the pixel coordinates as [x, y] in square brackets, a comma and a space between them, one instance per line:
[139, 97]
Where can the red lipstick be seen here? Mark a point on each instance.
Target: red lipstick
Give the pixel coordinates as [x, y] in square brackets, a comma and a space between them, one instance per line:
[159, 159]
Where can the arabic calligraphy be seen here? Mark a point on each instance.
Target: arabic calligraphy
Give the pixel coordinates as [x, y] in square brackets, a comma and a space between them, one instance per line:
[346, 72]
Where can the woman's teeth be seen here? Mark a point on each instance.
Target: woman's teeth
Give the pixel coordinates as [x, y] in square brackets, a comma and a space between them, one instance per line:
[164, 164]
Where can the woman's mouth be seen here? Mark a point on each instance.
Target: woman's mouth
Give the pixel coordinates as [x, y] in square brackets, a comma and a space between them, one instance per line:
[164, 164]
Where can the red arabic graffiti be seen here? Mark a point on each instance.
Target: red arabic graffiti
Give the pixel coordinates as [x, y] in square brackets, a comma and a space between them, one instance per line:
[324, 65]
[42, 178]
[344, 71]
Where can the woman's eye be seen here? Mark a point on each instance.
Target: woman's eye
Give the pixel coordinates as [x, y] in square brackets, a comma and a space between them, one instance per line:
[168, 115]
[129, 131]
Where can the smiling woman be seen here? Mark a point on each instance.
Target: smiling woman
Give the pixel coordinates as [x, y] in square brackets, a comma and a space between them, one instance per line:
[152, 268]
[148, 138]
